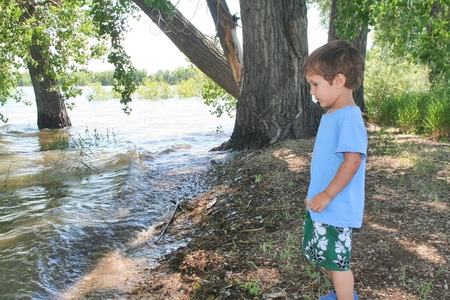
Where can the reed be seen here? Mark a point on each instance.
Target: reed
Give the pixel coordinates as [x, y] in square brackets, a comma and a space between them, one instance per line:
[418, 112]
[410, 112]
[437, 118]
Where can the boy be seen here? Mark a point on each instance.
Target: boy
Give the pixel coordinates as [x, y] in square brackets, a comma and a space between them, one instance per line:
[335, 199]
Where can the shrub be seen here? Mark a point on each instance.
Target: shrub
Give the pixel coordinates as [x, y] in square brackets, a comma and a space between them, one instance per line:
[398, 95]
[98, 92]
[151, 89]
[387, 77]
[189, 88]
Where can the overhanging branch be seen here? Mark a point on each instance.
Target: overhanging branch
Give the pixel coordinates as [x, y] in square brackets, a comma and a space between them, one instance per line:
[198, 48]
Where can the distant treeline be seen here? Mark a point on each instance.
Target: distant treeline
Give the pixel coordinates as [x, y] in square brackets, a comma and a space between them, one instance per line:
[106, 78]
[184, 82]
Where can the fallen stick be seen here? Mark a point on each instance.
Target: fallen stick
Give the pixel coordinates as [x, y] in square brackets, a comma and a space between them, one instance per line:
[168, 223]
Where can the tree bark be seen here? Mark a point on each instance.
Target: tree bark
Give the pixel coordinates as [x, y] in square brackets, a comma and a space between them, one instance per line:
[51, 109]
[274, 103]
[332, 34]
[359, 42]
[436, 66]
[200, 50]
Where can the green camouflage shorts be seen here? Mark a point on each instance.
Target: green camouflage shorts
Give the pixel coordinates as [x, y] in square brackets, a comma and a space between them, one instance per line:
[326, 245]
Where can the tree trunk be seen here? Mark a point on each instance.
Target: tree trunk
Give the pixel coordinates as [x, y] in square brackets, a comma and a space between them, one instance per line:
[200, 50]
[51, 108]
[332, 34]
[359, 42]
[274, 103]
[436, 66]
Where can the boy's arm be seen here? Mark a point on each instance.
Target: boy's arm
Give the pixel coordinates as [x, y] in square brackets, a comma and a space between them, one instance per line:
[345, 173]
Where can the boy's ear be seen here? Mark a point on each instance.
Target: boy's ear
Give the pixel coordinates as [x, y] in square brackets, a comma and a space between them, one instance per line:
[339, 80]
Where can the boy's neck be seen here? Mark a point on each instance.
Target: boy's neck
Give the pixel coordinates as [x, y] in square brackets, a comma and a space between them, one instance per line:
[347, 101]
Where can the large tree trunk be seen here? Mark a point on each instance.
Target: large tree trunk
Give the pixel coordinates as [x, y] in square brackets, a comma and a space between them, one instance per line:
[200, 50]
[274, 103]
[51, 109]
[359, 42]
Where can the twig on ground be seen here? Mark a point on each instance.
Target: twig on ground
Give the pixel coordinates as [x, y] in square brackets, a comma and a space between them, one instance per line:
[168, 223]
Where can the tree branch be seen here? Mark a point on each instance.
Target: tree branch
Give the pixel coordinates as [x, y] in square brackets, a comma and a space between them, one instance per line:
[199, 49]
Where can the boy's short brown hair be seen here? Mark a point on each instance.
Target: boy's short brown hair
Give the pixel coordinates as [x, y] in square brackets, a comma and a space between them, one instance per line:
[336, 57]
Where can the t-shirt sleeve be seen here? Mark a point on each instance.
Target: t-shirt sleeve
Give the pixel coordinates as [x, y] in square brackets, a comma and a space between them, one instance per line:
[352, 138]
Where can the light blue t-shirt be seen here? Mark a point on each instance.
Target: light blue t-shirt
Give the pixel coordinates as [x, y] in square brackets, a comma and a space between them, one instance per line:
[340, 131]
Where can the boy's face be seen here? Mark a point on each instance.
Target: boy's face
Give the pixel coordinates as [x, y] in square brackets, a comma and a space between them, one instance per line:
[325, 93]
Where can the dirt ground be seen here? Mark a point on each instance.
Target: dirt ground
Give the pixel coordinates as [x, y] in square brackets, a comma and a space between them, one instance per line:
[245, 231]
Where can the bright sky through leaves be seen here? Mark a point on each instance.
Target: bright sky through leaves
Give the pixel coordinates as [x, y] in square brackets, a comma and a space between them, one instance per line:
[151, 50]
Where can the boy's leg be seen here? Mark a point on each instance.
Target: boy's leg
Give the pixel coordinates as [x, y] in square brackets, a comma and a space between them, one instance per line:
[330, 248]
[343, 283]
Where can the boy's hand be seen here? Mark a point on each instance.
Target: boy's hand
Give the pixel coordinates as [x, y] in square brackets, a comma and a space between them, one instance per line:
[319, 202]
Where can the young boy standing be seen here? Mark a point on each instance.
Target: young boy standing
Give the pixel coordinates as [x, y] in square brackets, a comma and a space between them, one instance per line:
[335, 197]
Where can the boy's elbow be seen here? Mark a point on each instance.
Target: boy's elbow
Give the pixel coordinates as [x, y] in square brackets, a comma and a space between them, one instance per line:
[357, 164]
[357, 161]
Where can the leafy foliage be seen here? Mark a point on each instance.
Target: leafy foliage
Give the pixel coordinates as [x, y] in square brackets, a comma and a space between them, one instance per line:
[176, 76]
[154, 90]
[164, 6]
[419, 30]
[220, 100]
[10, 48]
[398, 94]
[353, 15]
[110, 17]
[387, 75]
[416, 29]
[98, 93]
[70, 34]
[189, 88]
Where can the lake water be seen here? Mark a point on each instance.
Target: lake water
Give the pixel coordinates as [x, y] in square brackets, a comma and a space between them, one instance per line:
[70, 216]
